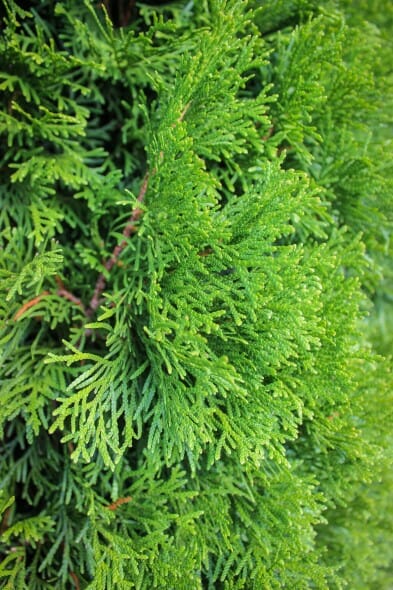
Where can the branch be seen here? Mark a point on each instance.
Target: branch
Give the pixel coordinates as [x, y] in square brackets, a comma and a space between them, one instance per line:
[63, 292]
[30, 304]
[129, 229]
[118, 503]
[95, 301]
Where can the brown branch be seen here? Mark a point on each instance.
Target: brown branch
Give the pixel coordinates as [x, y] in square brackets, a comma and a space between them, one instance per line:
[119, 502]
[74, 578]
[129, 229]
[70, 297]
[63, 292]
[30, 304]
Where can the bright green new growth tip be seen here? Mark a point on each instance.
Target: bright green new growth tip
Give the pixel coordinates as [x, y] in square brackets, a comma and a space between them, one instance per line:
[194, 262]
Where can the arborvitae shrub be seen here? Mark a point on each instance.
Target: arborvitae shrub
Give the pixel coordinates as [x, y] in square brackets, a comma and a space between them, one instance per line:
[194, 226]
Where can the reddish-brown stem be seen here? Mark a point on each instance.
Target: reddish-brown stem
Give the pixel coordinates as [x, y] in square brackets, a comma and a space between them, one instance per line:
[74, 578]
[30, 304]
[129, 229]
[63, 292]
[119, 502]
[70, 297]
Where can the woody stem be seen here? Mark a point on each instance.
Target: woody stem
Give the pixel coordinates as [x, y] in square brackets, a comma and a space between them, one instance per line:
[129, 229]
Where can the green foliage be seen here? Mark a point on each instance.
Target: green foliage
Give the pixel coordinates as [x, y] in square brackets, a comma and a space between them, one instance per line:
[194, 271]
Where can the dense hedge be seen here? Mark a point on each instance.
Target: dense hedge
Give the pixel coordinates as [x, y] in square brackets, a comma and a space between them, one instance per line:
[195, 211]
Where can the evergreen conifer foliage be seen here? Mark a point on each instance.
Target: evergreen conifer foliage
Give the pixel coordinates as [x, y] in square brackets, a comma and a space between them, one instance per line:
[190, 244]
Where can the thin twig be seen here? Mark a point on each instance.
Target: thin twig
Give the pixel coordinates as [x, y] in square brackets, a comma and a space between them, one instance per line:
[118, 503]
[74, 578]
[63, 292]
[129, 229]
[30, 304]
